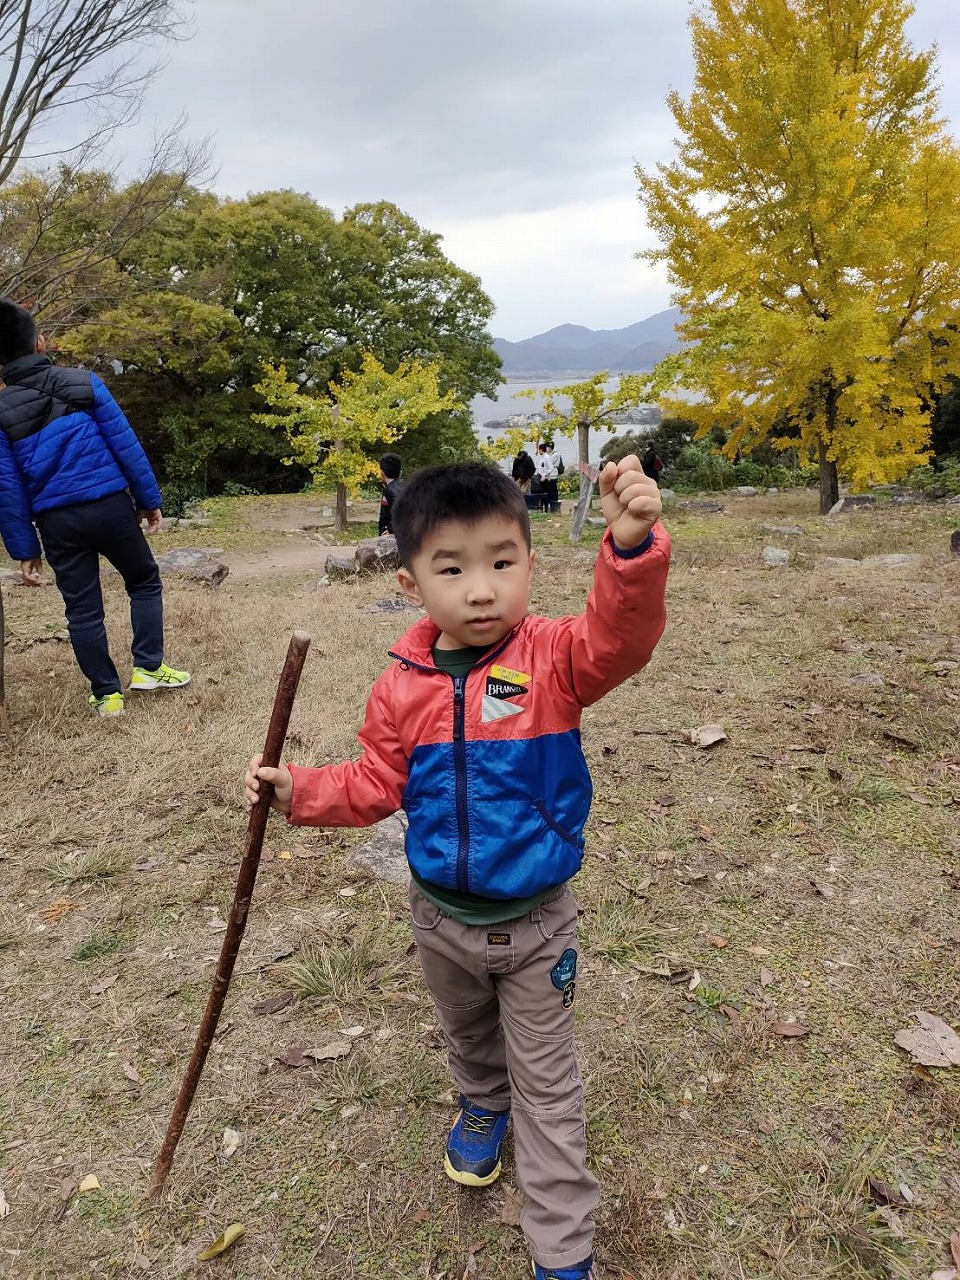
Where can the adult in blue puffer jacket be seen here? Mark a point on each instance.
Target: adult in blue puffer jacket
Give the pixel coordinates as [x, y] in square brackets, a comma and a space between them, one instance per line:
[72, 468]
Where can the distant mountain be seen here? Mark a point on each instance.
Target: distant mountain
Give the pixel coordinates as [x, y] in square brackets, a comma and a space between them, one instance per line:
[570, 348]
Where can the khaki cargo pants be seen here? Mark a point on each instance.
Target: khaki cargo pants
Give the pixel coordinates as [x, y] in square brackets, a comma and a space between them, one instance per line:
[504, 994]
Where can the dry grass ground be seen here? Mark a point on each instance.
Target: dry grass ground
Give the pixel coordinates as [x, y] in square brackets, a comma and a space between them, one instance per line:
[807, 868]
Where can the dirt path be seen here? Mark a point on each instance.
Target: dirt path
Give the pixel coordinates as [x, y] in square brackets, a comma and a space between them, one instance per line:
[291, 556]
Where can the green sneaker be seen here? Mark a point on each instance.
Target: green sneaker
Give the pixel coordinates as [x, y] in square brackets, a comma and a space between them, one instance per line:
[111, 704]
[163, 678]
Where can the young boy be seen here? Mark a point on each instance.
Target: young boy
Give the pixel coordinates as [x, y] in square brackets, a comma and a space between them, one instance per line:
[391, 465]
[69, 463]
[474, 731]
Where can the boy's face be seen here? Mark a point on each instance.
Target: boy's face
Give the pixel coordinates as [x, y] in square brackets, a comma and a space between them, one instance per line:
[473, 580]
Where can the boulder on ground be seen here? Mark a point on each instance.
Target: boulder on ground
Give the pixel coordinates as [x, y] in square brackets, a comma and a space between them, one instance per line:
[378, 555]
[745, 491]
[852, 502]
[383, 856]
[340, 565]
[898, 560]
[782, 530]
[772, 557]
[702, 506]
[200, 564]
[668, 495]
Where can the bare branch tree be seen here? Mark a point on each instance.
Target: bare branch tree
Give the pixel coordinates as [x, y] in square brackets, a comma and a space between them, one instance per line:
[56, 54]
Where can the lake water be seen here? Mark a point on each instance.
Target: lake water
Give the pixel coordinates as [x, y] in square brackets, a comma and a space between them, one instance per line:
[509, 402]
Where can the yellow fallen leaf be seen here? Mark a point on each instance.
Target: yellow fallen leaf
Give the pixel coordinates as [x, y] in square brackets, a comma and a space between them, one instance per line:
[90, 1183]
[222, 1243]
[285, 854]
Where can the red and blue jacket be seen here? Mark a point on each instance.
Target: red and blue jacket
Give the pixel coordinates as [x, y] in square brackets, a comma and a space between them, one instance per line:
[488, 766]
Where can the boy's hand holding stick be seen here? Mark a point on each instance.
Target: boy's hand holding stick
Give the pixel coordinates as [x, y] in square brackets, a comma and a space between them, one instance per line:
[253, 844]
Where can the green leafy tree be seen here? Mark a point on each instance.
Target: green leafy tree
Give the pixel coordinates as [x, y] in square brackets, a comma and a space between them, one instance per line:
[810, 224]
[336, 437]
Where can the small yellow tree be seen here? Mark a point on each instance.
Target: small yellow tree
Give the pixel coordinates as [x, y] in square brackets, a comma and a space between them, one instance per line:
[369, 409]
[810, 224]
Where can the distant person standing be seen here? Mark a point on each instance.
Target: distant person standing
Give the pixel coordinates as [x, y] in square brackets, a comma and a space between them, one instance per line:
[71, 465]
[651, 464]
[549, 472]
[391, 464]
[524, 469]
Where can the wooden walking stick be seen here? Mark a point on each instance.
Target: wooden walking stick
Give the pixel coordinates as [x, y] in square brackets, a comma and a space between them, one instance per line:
[246, 878]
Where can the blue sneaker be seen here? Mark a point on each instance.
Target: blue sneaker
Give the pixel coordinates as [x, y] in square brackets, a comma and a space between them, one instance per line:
[582, 1271]
[473, 1148]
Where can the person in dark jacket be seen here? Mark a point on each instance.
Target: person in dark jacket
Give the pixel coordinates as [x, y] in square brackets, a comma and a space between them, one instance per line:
[391, 464]
[72, 468]
[651, 464]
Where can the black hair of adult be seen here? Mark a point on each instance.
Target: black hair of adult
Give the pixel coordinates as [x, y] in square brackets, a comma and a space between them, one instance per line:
[18, 331]
[461, 492]
[391, 464]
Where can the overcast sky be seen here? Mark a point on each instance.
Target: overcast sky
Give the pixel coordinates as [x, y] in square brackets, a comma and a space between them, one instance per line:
[511, 127]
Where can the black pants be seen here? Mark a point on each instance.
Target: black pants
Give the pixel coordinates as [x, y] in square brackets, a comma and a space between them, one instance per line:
[74, 538]
[551, 496]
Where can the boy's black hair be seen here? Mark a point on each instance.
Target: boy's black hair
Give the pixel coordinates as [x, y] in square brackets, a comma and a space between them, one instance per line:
[18, 331]
[391, 464]
[454, 491]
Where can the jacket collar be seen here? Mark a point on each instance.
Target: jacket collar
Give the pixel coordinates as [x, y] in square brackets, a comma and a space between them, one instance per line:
[21, 368]
[416, 645]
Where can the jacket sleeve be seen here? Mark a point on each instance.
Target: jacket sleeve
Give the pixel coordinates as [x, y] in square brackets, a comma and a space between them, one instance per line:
[624, 619]
[122, 442]
[358, 792]
[16, 523]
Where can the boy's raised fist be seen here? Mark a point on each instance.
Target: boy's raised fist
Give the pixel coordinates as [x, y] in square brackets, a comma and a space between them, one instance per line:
[630, 501]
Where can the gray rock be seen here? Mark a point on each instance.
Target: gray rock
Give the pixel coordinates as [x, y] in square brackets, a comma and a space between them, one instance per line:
[378, 555]
[772, 491]
[783, 530]
[852, 502]
[189, 522]
[868, 680]
[775, 556]
[837, 562]
[955, 542]
[340, 565]
[200, 564]
[396, 604]
[954, 502]
[597, 522]
[702, 506]
[745, 491]
[383, 856]
[895, 561]
[667, 495]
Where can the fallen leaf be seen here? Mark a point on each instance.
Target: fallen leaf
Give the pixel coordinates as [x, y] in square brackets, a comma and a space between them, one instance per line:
[708, 735]
[935, 1045]
[67, 1187]
[955, 1248]
[825, 890]
[767, 979]
[893, 1221]
[336, 1049]
[231, 1140]
[513, 1201]
[130, 1071]
[293, 1056]
[53, 912]
[789, 1030]
[90, 1183]
[4, 1205]
[104, 984]
[883, 1193]
[285, 855]
[716, 940]
[944, 1273]
[759, 952]
[233, 1233]
[273, 1004]
[353, 1032]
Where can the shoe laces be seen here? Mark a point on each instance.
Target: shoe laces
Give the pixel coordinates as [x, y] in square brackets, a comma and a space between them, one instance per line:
[479, 1125]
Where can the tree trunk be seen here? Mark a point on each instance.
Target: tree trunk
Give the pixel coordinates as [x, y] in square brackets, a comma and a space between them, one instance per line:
[829, 482]
[586, 484]
[340, 513]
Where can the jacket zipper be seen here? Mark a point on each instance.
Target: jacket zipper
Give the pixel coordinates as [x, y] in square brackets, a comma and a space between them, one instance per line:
[460, 776]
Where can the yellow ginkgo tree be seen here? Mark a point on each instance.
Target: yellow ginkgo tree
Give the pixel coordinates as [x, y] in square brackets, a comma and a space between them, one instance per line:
[334, 435]
[810, 225]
